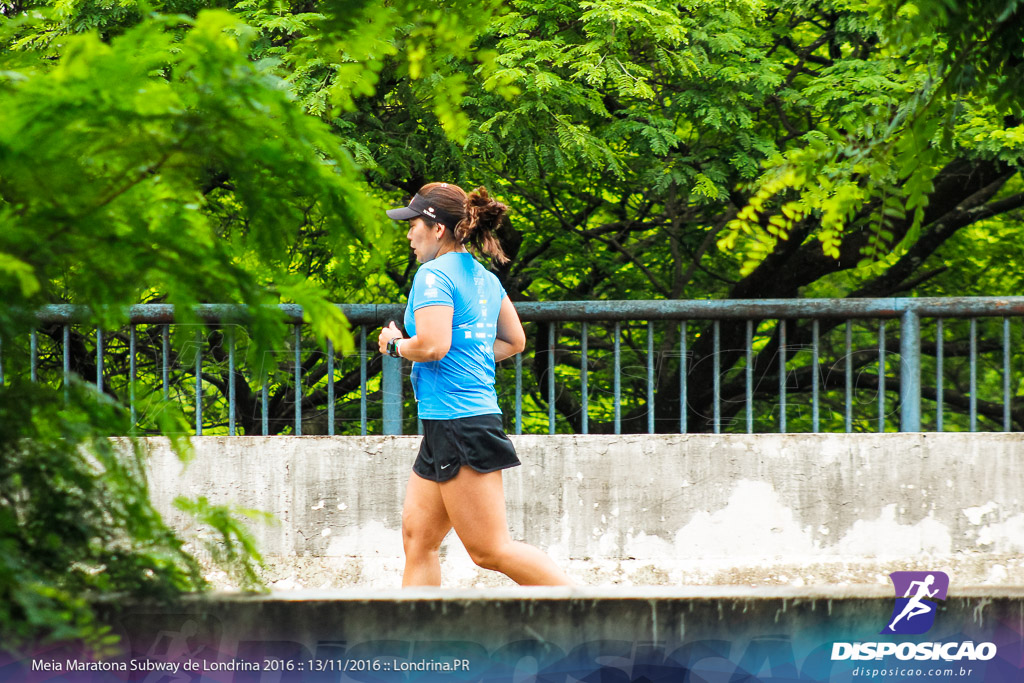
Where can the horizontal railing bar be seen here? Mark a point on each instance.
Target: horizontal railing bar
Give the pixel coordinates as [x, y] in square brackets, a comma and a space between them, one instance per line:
[757, 309]
[564, 311]
[142, 314]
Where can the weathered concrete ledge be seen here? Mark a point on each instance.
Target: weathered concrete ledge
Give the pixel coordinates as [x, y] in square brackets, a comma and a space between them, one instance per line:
[765, 509]
[715, 633]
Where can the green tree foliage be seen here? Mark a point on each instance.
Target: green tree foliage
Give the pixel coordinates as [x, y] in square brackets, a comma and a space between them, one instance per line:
[75, 519]
[155, 144]
[164, 154]
[806, 141]
[982, 55]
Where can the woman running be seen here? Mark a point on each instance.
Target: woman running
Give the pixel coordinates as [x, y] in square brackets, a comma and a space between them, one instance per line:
[460, 322]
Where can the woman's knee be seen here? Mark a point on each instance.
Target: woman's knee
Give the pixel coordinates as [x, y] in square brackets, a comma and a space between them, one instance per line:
[419, 536]
[491, 556]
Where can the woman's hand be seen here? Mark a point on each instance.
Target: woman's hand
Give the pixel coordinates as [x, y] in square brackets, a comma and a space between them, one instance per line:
[387, 334]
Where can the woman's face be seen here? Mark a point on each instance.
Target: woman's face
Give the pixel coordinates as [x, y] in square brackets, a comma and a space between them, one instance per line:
[423, 240]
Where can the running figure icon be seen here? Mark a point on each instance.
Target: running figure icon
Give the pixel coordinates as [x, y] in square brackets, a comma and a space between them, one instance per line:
[917, 594]
[915, 606]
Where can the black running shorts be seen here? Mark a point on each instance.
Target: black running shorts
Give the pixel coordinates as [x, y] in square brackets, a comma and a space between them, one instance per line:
[477, 441]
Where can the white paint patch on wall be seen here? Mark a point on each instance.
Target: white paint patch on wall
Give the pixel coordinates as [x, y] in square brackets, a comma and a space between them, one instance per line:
[885, 536]
[371, 554]
[649, 548]
[367, 540]
[755, 523]
[1005, 537]
[976, 514]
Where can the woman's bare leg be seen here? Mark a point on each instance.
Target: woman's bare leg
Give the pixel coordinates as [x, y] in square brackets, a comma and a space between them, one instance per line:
[475, 504]
[424, 526]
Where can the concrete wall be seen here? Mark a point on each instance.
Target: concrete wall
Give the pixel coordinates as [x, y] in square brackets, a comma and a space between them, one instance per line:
[640, 510]
[564, 636]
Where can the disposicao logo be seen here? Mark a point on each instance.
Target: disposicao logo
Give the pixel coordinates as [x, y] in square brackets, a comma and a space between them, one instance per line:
[916, 593]
[917, 596]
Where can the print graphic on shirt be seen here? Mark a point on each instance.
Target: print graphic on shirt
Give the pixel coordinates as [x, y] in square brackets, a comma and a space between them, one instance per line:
[462, 383]
[431, 281]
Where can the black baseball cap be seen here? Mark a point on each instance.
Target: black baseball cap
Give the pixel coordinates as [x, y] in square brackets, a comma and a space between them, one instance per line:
[421, 206]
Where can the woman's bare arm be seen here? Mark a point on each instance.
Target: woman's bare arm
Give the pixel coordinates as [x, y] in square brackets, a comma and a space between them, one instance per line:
[433, 335]
[510, 338]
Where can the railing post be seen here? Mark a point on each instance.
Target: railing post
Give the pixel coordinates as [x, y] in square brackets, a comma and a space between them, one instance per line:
[391, 387]
[910, 372]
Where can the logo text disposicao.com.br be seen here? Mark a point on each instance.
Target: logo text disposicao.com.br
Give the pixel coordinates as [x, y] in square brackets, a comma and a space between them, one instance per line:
[904, 673]
[946, 652]
[917, 596]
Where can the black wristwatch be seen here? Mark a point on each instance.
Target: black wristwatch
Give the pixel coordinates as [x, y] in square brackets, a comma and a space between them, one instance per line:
[392, 347]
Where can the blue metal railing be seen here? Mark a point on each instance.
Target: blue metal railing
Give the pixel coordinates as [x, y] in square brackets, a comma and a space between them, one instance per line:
[746, 344]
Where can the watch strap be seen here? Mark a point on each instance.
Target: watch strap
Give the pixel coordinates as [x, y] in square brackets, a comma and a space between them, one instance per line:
[392, 347]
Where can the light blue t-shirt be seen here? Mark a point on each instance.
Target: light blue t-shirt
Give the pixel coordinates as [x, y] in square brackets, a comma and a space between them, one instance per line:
[462, 383]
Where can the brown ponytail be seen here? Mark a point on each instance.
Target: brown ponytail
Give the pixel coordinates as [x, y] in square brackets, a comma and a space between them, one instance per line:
[473, 218]
[483, 217]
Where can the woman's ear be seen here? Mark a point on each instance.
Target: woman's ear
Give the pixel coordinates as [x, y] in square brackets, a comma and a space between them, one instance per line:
[441, 233]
